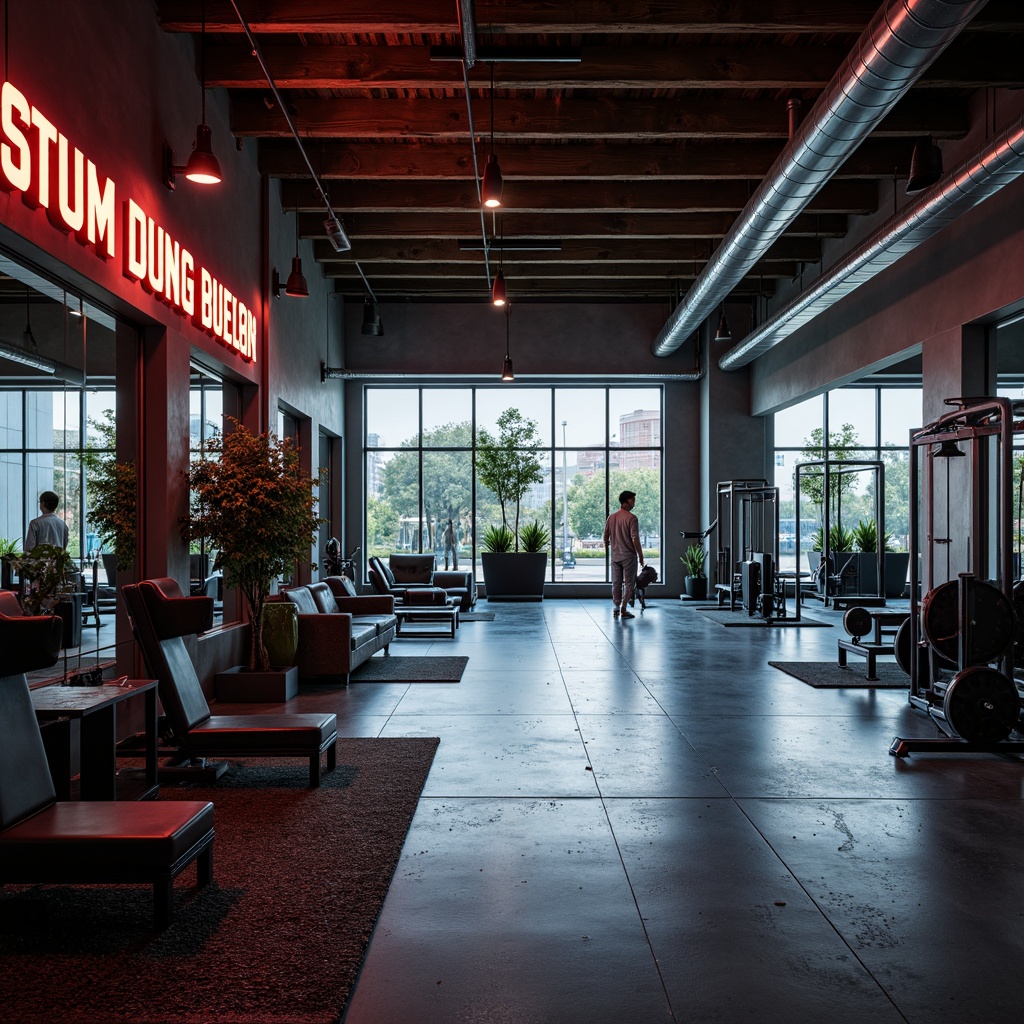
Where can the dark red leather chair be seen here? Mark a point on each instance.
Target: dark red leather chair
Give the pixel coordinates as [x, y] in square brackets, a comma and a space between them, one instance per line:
[160, 617]
[43, 840]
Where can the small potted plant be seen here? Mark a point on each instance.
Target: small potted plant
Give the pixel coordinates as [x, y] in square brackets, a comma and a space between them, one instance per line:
[50, 575]
[696, 581]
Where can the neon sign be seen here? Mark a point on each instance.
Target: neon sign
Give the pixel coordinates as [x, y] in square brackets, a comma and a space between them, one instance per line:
[39, 162]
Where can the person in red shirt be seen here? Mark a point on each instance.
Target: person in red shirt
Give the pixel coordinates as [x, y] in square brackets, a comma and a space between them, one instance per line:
[622, 538]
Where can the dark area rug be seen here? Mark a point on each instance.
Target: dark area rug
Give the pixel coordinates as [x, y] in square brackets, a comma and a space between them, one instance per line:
[742, 620]
[827, 675]
[299, 878]
[475, 617]
[396, 669]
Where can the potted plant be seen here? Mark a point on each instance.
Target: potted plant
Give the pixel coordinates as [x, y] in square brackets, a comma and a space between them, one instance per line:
[255, 506]
[49, 573]
[508, 465]
[696, 581]
[113, 495]
[8, 552]
[897, 563]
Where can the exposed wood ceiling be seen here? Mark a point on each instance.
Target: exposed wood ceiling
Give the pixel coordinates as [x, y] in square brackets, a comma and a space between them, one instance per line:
[636, 160]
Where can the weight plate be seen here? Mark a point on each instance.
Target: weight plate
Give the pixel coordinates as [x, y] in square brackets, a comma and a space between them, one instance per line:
[901, 648]
[994, 623]
[981, 705]
[857, 621]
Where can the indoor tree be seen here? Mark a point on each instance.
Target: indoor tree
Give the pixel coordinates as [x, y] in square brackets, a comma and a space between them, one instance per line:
[111, 492]
[508, 463]
[251, 500]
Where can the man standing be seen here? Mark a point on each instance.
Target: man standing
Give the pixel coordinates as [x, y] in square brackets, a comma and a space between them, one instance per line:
[622, 537]
[48, 528]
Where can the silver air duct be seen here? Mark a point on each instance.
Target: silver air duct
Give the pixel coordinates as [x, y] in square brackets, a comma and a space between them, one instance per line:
[999, 162]
[902, 41]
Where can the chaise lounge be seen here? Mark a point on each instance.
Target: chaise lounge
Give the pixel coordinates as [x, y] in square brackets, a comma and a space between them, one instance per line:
[160, 617]
[43, 840]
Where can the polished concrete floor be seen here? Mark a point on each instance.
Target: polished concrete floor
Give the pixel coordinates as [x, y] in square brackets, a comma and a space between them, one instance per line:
[643, 821]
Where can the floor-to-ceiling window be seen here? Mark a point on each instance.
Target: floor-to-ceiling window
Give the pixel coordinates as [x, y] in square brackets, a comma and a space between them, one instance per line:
[420, 448]
[205, 420]
[848, 424]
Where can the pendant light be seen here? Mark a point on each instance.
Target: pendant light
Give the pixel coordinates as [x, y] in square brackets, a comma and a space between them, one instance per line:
[506, 370]
[925, 165]
[490, 188]
[723, 333]
[372, 326]
[296, 284]
[202, 166]
[498, 295]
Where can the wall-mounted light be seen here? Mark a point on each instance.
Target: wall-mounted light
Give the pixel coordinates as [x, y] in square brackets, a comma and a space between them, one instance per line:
[202, 166]
[372, 326]
[296, 285]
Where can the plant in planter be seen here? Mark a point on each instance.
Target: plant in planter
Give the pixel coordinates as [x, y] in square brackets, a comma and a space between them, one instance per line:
[253, 503]
[113, 493]
[508, 464]
[696, 581]
[865, 536]
[9, 550]
[897, 563]
[498, 540]
[50, 571]
[534, 537]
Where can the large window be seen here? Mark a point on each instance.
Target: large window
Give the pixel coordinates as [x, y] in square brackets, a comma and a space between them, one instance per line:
[855, 423]
[593, 442]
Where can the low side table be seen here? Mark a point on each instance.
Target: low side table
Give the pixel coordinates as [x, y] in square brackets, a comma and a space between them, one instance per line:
[447, 615]
[96, 708]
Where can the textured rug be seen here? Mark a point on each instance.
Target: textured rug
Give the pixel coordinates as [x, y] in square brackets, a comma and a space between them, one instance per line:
[742, 620]
[299, 878]
[475, 617]
[827, 675]
[396, 669]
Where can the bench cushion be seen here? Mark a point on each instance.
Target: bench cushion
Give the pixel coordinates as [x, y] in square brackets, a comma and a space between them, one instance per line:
[426, 596]
[75, 838]
[381, 623]
[224, 733]
[363, 632]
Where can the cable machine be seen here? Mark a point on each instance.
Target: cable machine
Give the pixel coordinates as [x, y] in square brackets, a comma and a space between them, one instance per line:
[837, 566]
[961, 641]
[748, 527]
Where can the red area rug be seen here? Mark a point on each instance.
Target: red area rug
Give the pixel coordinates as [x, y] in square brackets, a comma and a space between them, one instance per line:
[299, 879]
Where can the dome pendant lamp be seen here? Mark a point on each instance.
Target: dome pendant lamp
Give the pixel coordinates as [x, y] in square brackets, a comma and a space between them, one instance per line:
[202, 166]
[490, 187]
[296, 285]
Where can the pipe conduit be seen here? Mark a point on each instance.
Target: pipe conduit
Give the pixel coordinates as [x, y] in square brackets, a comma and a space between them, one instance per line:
[902, 41]
[992, 167]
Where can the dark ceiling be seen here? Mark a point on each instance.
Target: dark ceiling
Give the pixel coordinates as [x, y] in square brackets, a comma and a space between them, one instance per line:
[634, 161]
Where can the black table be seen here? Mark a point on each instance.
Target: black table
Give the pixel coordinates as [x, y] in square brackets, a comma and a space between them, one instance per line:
[96, 708]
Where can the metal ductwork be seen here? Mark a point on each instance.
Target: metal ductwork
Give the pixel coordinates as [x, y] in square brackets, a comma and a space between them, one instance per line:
[999, 162]
[902, 41]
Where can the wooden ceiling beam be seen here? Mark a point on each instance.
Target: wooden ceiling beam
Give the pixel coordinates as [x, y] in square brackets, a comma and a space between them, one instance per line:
[846, 197]
[679, 161]
[688, 116]
[560, 225]
[441, 250]
[568, 17]
[687, 66]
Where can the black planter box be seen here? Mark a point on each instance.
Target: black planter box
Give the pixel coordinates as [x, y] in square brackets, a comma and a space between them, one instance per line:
[514, 576]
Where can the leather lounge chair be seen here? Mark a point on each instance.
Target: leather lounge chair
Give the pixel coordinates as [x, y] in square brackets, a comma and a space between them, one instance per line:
[160, 617]
[43, 840]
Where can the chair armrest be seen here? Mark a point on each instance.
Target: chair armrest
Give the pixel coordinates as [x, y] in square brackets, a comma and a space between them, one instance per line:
[324, 628]
[369, 604]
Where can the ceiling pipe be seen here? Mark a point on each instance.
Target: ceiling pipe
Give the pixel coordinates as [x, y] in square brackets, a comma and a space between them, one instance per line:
[997, 163]
[899, 45]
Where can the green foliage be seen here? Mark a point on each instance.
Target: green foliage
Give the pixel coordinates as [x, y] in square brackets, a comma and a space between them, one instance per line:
[588, 509]
[508, 464]
[498, 539]
[112, 489]
[693, 560]
[51, 572]
[381, 522]
[839, 539]
[534, 537]
[865, 536]
[252, 502]
[812, 488]
[9, 547]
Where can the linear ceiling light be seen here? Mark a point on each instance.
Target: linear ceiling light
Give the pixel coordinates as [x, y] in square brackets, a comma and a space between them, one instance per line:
[202, 166]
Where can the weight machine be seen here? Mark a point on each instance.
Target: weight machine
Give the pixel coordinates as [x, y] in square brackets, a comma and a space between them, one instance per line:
[836, 567]
[968, 627]
[748, 526]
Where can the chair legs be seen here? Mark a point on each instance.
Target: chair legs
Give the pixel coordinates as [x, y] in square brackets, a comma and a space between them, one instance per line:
[314, 765]
[204, 867]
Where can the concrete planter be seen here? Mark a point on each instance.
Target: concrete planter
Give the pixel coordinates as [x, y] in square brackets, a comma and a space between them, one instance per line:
[514, 576]
[239, 684]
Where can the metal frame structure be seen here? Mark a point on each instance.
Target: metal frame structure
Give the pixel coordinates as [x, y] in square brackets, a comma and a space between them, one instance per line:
[738, 524]
[987, 426]
[826, 468]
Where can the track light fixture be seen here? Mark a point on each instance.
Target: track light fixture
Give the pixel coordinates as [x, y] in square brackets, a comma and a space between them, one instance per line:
[490, 187]
[925, 165]
[336, 234]
[202, 166]
[372, 326]
[723, 333]
[296, 285]
[506, 370]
